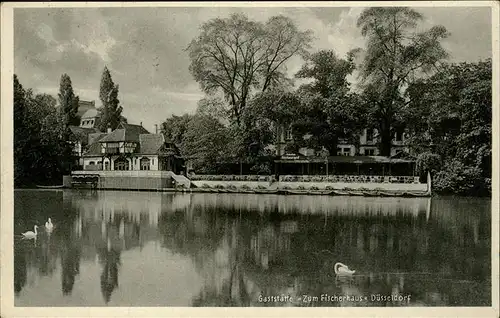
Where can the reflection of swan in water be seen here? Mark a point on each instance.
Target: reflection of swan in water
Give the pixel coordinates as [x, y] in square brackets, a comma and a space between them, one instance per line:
[29, 234]
[341, 269]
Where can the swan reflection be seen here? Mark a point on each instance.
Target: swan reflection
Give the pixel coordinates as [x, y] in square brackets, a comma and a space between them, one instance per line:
[234, 247]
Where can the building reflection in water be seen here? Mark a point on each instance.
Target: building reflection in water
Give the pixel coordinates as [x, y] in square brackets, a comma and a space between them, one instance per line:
[244, 246]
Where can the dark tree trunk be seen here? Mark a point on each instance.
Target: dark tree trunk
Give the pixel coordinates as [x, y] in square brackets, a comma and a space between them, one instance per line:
[385, 142]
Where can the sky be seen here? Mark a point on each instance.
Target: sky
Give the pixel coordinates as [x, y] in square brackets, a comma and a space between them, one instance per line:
[144, 48]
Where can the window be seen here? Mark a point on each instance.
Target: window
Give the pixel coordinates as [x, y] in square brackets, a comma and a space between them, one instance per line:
[121, 164]
[369, 152]
[145, 164]
[339, 151]
[398, 136]
[91, 163]
[346, 151]
[288, 133]
[369, 135]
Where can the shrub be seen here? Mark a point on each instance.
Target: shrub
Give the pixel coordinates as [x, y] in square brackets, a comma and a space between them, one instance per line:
[206, 186]
[457, 178]
[301, 188]
[428, 162]
[245, 187]
[314, 188]
[219, 186]
[260, 186]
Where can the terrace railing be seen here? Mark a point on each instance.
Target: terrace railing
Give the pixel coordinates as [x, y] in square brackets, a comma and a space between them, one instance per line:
[312, 178]
[351, 179]
[206, 177]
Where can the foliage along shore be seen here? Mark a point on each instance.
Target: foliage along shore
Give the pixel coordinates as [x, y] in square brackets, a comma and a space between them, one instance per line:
[405, 86]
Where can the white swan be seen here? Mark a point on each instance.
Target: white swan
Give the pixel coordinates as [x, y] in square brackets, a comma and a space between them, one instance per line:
[341, 269]
[30, 234]
[49, 226]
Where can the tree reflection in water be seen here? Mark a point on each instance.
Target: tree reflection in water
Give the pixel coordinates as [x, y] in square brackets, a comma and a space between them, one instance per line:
[110, 260]
[243, 246]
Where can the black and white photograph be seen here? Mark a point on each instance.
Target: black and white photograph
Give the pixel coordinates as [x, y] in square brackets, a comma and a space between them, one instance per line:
[250, 155]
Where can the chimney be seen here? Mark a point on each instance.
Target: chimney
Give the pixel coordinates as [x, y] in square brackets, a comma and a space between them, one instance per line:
[156, 128]
[141, 123]
[109, 128]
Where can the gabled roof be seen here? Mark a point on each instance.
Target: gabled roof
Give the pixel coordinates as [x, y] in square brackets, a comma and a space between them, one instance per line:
[96, 137]
[125, 132]
[82, 134]
[151, 143]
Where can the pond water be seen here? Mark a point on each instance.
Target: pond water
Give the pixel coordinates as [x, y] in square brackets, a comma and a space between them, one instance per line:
[121, 248]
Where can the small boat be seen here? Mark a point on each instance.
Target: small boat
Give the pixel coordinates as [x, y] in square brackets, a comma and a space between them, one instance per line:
[246, 191]
[298, 191]
[339, 192]
[356, 193]
[415, 194]
[266, 191]
[389, 194]
[201, 190]
[50, 187]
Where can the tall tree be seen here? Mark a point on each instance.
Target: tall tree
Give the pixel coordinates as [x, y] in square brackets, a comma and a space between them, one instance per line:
[236, 56]
[111, 111]
[20, 132]
[68, 101]
[329, 111]
[175, 127]
[216, 107]
[205, 143]
[452, 110]
[39, 143]
[395, 54]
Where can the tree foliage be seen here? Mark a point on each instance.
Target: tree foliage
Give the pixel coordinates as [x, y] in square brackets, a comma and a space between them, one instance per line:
[237, 56]
[68, 101]
[395, 55]
[329, 112]
[174, 128]
[205, 142]
[111, 111]
[40, 148]
[452, 111]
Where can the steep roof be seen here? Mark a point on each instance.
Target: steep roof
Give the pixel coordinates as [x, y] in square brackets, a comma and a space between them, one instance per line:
[96, 137]
[82, 134]
[150, 143]
[125, 132]
[91, 113]
[94, 149]
[84, 106]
